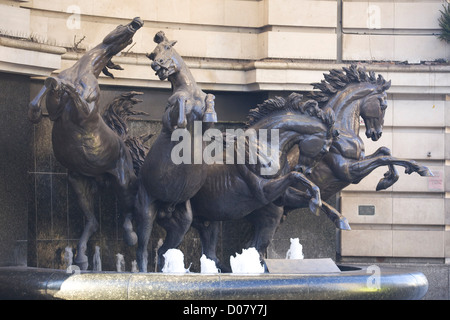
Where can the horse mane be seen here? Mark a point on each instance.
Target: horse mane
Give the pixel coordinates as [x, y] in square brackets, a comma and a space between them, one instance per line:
[116, 116]
[337, 80]
[294, 103]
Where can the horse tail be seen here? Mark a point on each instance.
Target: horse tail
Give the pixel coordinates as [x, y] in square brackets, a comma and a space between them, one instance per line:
[116, 116]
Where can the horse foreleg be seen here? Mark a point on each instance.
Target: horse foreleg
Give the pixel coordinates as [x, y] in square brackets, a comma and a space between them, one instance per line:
[390, 177]
[182, 121]
[362, 168]
[295, 199]
[84, 188]
[34, 108]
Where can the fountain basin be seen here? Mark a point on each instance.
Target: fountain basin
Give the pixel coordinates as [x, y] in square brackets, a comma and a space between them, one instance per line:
[350, 283]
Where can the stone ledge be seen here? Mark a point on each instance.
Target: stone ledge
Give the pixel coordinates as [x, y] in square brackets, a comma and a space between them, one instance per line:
[30, 45]
[34, 283]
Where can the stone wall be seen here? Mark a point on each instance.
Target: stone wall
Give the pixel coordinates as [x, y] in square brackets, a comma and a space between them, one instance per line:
[15, 158]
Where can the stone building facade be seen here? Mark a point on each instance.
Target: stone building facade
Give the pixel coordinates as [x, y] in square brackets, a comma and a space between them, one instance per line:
[243, 51]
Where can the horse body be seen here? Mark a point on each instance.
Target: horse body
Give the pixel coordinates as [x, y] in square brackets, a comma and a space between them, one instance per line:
[96, 148]
[82, 141]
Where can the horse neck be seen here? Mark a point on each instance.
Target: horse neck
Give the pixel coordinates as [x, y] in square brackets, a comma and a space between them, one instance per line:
[183, 78]
[346, 104]
[95, 60]
[291, 128]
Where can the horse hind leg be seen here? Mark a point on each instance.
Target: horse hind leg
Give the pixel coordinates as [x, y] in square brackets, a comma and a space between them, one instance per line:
[125, 184]
[209, 236]
[265, 221]
[176, 224]
[145, 214]
[84, 188]
[277, 187]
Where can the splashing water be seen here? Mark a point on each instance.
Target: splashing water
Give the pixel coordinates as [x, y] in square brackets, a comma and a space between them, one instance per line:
[207, 265]
[134, 267]
[247, 262]
[68, 256]
[120, 263]
[174, 262]
[296, 250]
[97, 263]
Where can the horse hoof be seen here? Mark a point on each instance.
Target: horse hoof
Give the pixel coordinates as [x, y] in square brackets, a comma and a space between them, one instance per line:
[425, 172]
[35, 115]
[82, 262]
[342, 224]
[51, 83]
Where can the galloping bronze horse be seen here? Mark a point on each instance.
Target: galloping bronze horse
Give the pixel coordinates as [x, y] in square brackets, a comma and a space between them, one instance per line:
[82, 141]
[232, 191]
[165, 187]
[351, 93]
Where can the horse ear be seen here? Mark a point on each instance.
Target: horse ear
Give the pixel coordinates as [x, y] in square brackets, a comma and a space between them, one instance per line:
[172, 43]
[387, 85]
[159, 37]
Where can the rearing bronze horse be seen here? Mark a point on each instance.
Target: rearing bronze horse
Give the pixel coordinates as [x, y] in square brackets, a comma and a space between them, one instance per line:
[82, 141]
[165, 187]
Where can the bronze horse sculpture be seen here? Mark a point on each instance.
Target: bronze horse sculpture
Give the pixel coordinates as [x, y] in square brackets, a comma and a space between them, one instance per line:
[82, 142]
[165, 187]
[233, 190]
[351, 93]
[354, 93]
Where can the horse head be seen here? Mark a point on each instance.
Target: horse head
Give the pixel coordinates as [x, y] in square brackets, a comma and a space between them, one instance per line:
[121, 36]
[165, 59]
[188, 103]
[372, 111]
[351, 93]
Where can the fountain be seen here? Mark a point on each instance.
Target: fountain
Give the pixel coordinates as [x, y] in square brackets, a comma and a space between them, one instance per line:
[186, 194]
[120, 263]
[97, 263]
[247, 262]
[317, 279]
[295, 250]
[207, 265]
